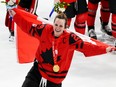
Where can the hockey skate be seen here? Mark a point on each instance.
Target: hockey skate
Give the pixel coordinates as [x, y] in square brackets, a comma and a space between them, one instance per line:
[106, 30]
[107, 35]
[92, 33]
[11, 38]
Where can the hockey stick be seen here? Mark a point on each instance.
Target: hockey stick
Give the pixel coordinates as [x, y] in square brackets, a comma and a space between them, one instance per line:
[51, 12]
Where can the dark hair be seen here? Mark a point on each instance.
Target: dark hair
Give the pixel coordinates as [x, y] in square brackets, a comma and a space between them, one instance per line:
[61, 15]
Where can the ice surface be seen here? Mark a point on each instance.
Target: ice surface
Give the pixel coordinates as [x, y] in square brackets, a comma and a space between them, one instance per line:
[98, 71]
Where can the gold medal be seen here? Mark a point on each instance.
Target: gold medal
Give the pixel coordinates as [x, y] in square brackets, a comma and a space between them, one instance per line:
[56, 68]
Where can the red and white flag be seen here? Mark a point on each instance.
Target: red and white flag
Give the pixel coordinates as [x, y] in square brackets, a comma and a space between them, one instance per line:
[27, 45]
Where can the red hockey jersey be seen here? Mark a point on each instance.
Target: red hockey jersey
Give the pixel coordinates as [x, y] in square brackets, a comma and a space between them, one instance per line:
[67, 43]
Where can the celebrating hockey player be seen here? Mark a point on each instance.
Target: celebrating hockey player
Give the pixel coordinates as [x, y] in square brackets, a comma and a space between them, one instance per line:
[56, 48]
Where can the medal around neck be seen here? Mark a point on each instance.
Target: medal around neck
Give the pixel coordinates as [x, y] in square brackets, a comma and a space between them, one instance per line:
[56, 68]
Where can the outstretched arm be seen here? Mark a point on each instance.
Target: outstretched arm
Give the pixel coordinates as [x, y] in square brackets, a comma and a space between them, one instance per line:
[89, 46]
[94, 47]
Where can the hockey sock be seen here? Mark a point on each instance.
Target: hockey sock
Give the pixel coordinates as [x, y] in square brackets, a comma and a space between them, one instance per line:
[68, 22]
[105, 13]
[92, 8]
[79, 23]
[114, 25]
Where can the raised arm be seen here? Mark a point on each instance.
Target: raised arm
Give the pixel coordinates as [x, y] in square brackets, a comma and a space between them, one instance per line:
[24, 20]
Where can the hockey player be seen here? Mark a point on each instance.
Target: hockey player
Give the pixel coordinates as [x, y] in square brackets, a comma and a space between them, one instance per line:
[113, 11]
[77, 9]
[56, 48]
[105, 14]
[27, 5]
[8, 21]
[112, 6]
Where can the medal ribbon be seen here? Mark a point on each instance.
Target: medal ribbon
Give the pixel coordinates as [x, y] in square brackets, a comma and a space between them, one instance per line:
[55, 44]
[55, 51]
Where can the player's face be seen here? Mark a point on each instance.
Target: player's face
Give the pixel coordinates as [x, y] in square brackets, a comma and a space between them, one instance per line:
[59, 26]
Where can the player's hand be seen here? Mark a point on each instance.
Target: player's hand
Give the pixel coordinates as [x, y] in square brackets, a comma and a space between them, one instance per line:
[11, 12]
[111, 49]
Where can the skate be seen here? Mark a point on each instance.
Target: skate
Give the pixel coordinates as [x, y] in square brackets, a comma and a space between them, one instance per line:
[92, 33]
[11, 38]
[106, 30]
[106, 33]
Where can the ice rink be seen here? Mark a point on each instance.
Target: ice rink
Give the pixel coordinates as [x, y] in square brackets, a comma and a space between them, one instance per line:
[97, 71]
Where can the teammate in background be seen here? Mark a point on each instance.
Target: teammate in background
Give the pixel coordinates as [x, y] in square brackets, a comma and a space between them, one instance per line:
[8, 20]
[77, 9]
[105, 14]
[112, 6]
[55, 51]
[27, 5]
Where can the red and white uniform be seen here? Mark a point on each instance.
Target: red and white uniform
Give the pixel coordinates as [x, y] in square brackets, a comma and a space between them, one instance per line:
[65, 44]
[92, 10]
[27, 5]
[9, 22]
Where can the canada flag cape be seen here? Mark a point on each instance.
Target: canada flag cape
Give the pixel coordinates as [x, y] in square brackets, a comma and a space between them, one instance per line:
[27, 45]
